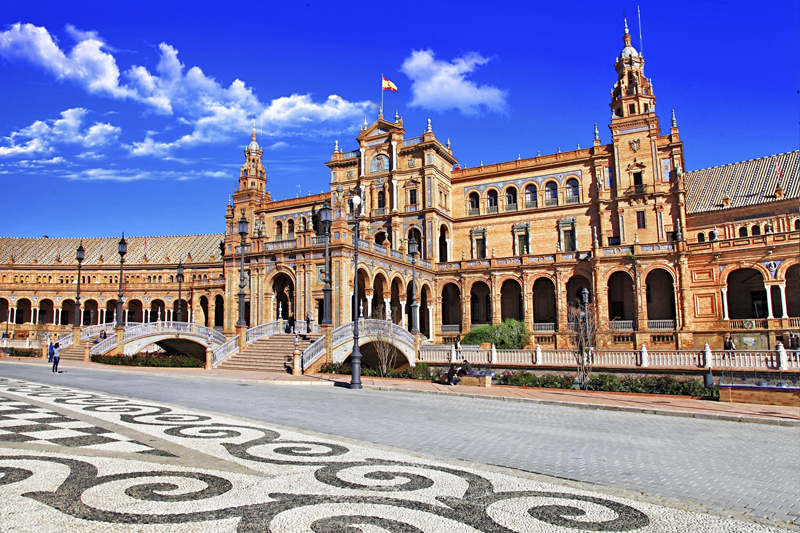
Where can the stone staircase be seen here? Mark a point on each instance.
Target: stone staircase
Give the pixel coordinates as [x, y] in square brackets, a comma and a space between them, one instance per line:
[273, 354]
[73, 353]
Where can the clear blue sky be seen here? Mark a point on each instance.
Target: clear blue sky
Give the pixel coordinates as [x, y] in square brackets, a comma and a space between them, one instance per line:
[133, 115]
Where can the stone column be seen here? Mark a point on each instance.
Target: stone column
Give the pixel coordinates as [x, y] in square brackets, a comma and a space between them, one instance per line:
[497, 301]
[369, 305]
[527, 303]
[466, 311]
[769, 301]
[403, 313]
[782, 287]
[431, 328]
[724, 291]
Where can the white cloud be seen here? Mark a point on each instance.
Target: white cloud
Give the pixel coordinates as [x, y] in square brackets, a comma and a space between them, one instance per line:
[214, 112]
[441, 85]
[114, 174]
[40, 137]
[280, 145]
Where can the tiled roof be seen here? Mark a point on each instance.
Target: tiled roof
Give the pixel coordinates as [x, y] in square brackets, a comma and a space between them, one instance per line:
[746, 183]
[159, 250]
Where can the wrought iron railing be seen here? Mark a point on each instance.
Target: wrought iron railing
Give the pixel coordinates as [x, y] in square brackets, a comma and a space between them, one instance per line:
[550, 202]
[511, 207]
[531, 205]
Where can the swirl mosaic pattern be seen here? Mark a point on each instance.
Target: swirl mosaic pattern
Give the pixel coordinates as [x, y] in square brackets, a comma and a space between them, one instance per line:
[216, 473]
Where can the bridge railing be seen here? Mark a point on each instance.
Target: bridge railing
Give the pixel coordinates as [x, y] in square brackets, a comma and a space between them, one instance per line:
[263, 330]
[313, 352]
[103, 346]
[93, 331]
[139, 330]
[66, 341]
[193, 329]
[225, 350]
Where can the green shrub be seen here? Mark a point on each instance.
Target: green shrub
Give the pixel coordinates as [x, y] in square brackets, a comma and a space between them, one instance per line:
[179, 361]
[612, 383]
[510, 335]
[15, 352]
[421, 371]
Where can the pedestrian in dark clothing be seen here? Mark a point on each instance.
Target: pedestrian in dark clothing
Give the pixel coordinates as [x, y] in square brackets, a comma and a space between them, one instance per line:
[291, 323]
[50, 352]
[308, 323]
[56, 357]
[452, 379]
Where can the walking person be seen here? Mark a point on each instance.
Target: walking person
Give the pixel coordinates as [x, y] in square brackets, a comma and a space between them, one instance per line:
[308, 323]
[50, 352]
[56, 357]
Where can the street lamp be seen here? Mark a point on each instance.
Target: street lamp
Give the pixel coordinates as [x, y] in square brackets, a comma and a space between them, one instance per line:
[79, 258]
[180, 280]
[412, 249]
[123, 249]
[242, 234]
[325, 213]
[585, 296]
[355, 359]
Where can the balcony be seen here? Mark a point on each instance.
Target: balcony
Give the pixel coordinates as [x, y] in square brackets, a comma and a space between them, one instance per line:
[550, 202]
[474, 212]
[531, 205]
[661, 324]
[544, 327]
[748, 323]
[451, 328]
[621, 325]
[491, 209]
[379, 212]
[637, 189]
[412, 208]
[573, 199]
[511, 207]
[280, 245]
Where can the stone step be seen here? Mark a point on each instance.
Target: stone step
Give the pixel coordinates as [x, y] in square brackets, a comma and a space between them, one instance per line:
[73, 353]
[273, 354]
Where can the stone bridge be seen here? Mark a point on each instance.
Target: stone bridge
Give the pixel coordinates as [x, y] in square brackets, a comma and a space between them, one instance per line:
[183, 337]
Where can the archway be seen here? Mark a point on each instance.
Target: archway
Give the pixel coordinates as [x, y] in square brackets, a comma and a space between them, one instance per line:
[511, 300]
[480, 301]
[395, 304]
[415, 233]
[204, 308]
[660, 295]
[424, 302]
[443, 255]
[621, 303]
[185, 311]
[91, 315]
[111, 311]
[219, 312]
[67, 313]
[575, 287]
[283, 291]
[23, 314]
[544, 301]
[157, 311]
[5, 315]
[793, 291]
[135, 313]
[360, 306]
[451, 308]
[747, 295]
[379, 287]
[45, 311]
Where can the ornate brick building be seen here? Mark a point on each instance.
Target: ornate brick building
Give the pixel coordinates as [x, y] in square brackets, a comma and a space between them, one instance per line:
[670, 258]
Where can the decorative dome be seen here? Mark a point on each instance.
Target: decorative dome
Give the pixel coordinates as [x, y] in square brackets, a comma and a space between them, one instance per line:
[628, 52]
[253, 146]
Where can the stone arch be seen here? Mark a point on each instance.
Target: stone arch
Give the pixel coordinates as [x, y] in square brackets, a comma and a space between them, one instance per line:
[511, 194]
[416, 232]
[290, 228]
[282, 286]
[451, 305]
[380, 290]
[444, 247]
[474, 202]
[480, 302]
[158, 310]
[111, 309]
[621, 300]
[425, 299]
[363, 282]
[660, 294]
[278, 230]
[46, 311]
[135, 310]
[219, 311]
[550, 193]
[397, 294]
[91, 313]
[5, 314]
[531, 195]
[792, 276]
[204, 310]
[728, 270]
[185, 311]
[747, 293]
[492, 199]
[544, 300]
[511, 305]
[575, 285]
[23, 314]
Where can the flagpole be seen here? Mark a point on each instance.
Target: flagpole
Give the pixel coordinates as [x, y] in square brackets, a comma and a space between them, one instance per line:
[381, 111]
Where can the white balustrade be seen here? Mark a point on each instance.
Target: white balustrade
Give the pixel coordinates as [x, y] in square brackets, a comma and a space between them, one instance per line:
[225, 350]
[20, 343]
[557, 357]
[615, 357]
[621, 325]
[103, 346]
[433, 355]
[756, 359]
[262, 330]
[544, 327]
[516, 357]
[93, 331]
[661, 324]
[66, 341]
[312, 352]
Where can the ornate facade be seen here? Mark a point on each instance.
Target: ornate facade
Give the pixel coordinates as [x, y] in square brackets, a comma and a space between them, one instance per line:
[670, 258]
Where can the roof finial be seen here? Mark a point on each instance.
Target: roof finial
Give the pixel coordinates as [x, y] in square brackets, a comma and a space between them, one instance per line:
[674, 122]
[429, 127]
[380, 112]
[365, 123]
[448, 142]
[626, 25]
[396, 116]
[336, 147]
[254, 125]
[596, 133]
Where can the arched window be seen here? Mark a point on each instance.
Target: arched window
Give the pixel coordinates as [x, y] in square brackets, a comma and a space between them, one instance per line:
[797, 225]
[290, 229]
[511, 199]
[551, 194]
[381, 200]
[573, 191]
[474, 203]
[531, 196]
[743, 231]
[491, 201]
[701, 237]
[278, 230]
[756, 230]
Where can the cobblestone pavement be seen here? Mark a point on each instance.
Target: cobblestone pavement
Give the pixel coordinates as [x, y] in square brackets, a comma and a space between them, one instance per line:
[743, 469]
[223, 473]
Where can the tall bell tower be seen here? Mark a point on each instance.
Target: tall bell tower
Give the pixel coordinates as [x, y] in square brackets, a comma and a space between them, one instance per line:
[253, 175]
[632, 95]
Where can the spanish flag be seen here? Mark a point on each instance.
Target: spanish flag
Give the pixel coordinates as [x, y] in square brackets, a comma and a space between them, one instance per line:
[386, 85]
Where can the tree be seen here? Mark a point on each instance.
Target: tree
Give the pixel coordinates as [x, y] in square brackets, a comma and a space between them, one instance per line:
[381, 333]
[583, 333]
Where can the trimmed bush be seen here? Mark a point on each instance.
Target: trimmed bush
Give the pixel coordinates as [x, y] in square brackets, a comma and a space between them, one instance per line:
[421, 371]
[613, 383]
[510, 335]
[180, 361]
[15, 352]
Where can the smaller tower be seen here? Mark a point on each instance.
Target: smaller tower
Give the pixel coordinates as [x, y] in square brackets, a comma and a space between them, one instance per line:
[253, 175]
[632, 95]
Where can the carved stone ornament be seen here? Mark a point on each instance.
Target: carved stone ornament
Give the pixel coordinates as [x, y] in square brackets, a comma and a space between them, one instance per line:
[635, 145]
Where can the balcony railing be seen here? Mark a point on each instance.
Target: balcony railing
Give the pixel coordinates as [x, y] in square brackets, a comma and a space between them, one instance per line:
[511, 207]
[573, 199]
[318, 240]
[280, 245]
[451, 328]
[544, 327]
[621, 325]
[491, 209]
[531, 205]
[660, 324]
[748, 323]
[412, 208]
[550, 202]
[379, 212]
[637, 189]
[473, 212]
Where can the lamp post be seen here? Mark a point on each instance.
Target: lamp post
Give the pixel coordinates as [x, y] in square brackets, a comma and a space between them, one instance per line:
[585, 296]
[412, 249]
[355, 358]
[180, 280]
[79, 258]
[122, 249]
[242, 234]
[325, 217]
